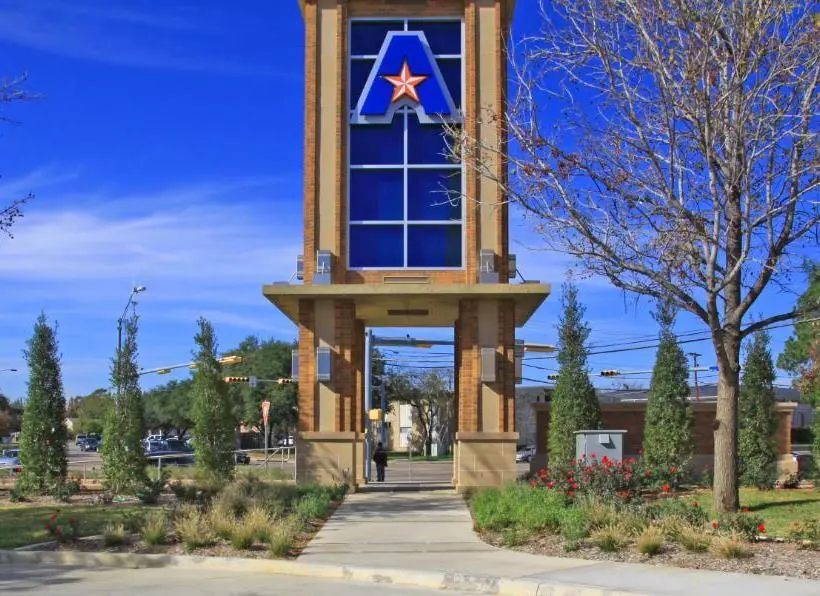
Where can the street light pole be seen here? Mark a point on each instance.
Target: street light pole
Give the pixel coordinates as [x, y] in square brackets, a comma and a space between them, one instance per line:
[134, 291]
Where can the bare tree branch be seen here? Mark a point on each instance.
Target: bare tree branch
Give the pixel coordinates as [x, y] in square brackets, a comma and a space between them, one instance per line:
[11, 91]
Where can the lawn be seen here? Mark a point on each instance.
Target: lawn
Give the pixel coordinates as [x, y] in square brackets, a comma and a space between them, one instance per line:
[24, 524]
[778, 508]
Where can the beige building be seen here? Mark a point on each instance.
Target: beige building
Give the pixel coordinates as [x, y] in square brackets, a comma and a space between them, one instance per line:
[398, 232]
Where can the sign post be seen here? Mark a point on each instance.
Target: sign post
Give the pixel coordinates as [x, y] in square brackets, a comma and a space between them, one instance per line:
[265, 411]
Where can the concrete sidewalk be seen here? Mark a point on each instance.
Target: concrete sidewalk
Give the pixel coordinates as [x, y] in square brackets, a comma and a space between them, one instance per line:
[431, 531]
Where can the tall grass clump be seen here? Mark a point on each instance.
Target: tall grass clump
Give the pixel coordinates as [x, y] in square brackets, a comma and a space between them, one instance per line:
[519, 507]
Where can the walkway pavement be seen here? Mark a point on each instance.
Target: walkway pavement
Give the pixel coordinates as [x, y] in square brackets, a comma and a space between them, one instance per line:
[432, 531]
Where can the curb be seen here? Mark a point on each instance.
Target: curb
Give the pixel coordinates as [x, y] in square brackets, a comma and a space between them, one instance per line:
[433, 580]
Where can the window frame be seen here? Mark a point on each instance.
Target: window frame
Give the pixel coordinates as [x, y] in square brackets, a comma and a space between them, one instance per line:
[404, 113]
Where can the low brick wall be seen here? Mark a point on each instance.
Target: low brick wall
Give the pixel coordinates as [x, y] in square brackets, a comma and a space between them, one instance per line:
[630, 416]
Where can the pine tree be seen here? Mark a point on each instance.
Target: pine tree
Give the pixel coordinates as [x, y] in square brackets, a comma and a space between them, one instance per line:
[213, 411]
[667, 437]
[122, 452]
[757, 441]
[574, 402]
[43, 437]
[801, 355]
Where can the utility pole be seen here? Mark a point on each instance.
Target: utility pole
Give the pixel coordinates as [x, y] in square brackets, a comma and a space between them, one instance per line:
[695, 357]
[368, 401]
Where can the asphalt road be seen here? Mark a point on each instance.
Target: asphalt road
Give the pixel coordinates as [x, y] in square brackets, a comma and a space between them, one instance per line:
[75, 581]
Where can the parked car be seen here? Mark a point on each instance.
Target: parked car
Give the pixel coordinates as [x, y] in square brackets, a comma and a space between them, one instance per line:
[79, 439]
[525, 454]
[90, 444]
[11, 463]
[805, 463]
[11, 453]
[243, 458]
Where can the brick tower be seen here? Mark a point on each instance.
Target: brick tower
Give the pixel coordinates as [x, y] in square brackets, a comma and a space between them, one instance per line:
[398, 232]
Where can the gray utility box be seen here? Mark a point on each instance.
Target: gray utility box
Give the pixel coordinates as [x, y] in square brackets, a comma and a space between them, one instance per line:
[602, 443]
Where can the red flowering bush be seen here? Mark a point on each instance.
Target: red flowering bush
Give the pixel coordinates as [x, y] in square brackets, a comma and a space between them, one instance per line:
[62, 528]
[605, 479]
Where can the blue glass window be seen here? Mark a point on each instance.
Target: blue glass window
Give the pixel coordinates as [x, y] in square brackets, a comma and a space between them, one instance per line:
[405, 208]
[377, 144]
[359, 71]
[444, 37]
[434, 195]
[451, 72]
[426, 143]
[376, 195]
[433, 246]
[366, 37]
[376, 246]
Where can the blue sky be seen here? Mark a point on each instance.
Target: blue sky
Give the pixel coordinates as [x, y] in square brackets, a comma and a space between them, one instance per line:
[166, 150]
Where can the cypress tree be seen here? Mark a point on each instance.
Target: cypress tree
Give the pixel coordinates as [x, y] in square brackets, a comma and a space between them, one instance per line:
[667, 438]
[214, 421]
[574, 404]
[757, 440]
[122, 452]
[44, 435]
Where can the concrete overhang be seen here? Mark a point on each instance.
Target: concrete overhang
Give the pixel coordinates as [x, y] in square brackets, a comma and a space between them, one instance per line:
[409, 304]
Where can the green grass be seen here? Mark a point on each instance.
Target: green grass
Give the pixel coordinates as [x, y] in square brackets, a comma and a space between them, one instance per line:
[24, 524]
[778, 508]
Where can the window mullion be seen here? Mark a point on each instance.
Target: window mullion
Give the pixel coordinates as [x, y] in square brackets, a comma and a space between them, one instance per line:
[406, 198]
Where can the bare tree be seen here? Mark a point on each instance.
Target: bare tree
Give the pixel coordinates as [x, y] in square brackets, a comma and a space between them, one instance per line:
[670, 146]
[11, 91]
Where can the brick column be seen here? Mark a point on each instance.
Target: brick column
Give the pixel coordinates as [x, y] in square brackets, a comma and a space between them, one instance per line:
[308, 408]
[468, 388]
[505, 369]
[344, 371]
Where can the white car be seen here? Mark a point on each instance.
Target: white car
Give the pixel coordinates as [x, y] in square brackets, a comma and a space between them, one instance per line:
[524, 455]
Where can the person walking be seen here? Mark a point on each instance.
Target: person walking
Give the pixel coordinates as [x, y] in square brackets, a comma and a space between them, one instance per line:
[380, 459]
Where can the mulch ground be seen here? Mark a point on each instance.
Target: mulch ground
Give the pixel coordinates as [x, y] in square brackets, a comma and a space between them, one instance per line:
[769, 558]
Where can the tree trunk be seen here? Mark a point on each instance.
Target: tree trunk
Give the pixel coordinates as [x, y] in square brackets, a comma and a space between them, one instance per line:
[725, 485]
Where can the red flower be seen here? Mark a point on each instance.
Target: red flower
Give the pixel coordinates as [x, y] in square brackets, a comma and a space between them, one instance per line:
[575, 485]
[744, 510]
[674, 470]
[605, 460]
[570, 493]
[665, 488]
[533, 483]
[72, 521]
[594, 455]
[640, 451]
[550, 484]
[48, 527]
[761, 528]
[631, 460]
[649, 472]
[715, 524]
[53, 517]
[695, 505]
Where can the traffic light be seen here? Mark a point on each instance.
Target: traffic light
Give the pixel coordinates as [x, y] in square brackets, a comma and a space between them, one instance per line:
[552, 377]
[237, 379]
[231, 360]
[610, 373]
[286, 381]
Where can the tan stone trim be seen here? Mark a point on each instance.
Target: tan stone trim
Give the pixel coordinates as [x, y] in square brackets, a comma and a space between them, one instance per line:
[311, 157]
[376, 277]
[470, 99]
[408, 9]
[340, 256]
[482, 437]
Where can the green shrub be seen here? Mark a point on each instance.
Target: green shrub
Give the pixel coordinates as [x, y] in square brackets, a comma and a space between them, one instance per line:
[744, 524]
[650, 542]
[731, 547]
[694, 540]
[150, 491]
[192, 529]
[282, 537]
[243, 535]
[153, 528]
[114, 535]
[574, 524]
[600, 514]
[63, 491]
[609, 538]
[689, 511]
[315, 506]
[806, 533]
[518, 506]
[222, 520]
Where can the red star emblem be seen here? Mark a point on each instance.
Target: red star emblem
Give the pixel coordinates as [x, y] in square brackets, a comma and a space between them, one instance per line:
[405, 84]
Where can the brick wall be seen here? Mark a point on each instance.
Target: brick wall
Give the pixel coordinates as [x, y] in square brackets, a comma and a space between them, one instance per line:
[344, 373]
[630, 417]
